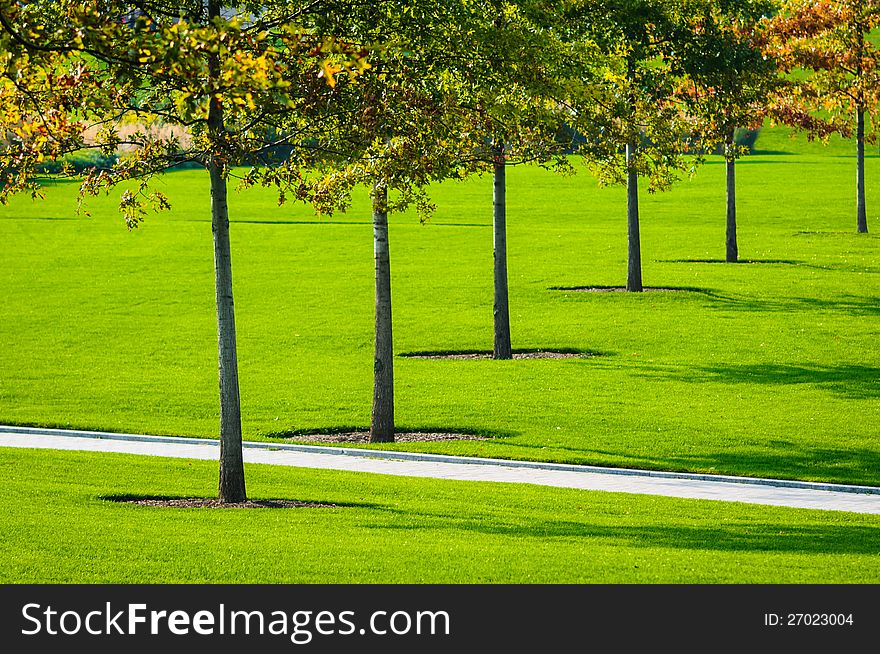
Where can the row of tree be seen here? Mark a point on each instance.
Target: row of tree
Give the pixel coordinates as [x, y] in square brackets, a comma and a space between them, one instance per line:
[327, 95]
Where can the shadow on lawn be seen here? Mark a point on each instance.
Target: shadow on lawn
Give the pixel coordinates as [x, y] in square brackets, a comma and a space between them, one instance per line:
[841, 233]
[792, 461]
[835, 267]
[787, 262]
[247, 221]
[852, 381]
[54, 218]
[740, 535]
[853, 305]
[778, 459]
[750, 537]
[769, 153]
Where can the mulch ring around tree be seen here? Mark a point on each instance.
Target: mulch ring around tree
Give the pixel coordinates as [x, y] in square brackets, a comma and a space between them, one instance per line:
[517, 354]
[214, 503]
[399, 437]
[622, 289]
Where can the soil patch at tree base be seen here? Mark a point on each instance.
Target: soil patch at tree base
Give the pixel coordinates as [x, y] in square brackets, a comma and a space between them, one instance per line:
[622, 289]
[214, 503]
[399, 437]
[466, 355]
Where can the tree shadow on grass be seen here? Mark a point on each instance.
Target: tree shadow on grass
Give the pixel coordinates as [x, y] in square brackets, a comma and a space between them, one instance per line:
[249, 221]
[773, 153]
[775, 459]
[53, 218]
[785, 262]
[835, 267]
[852, 381]
[843, 267]
[751, 537]
[747, 535]
[853, 305]
[245, 221]
[844, 233]
[781, 458]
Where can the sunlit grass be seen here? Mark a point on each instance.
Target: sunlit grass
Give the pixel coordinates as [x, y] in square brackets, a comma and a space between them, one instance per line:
[60, 525]
[768, 367]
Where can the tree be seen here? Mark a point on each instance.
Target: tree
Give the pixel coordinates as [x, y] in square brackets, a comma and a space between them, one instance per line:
[728, 83]
[515, 111]
[642, 129]
[428, 113]
[832, 62]
[232, 76]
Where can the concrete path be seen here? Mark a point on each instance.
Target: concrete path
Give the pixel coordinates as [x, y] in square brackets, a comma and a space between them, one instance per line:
[832, 497]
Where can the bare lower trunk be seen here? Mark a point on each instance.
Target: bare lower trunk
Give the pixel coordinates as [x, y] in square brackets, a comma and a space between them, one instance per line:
[231, 487]
[382, 423]
[501, 309]
[732, 249]
[634, 249]
[862, 217]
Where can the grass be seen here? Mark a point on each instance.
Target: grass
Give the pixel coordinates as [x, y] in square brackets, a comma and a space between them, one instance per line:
[769, 367]
[59, 527]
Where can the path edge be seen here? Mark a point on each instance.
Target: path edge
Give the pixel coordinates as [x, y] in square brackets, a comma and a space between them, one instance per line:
[445, 458]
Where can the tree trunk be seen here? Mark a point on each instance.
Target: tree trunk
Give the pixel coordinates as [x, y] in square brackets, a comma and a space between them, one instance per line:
[231, 488]
[382, 423]
[730, 161]
[501, 309]
[862, 217]
[634, 250]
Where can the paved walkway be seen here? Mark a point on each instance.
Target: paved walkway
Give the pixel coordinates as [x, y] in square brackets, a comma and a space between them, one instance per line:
[833, 497]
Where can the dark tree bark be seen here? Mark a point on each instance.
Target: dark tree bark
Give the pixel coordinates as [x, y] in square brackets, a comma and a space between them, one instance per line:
[634, 249]
[730, 161]
[862, 217]
[232, 487]
[501, 308]
[382, 423]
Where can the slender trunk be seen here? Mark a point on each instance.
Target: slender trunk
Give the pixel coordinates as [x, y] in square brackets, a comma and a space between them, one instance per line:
[231, 487]
[501, 309]
[382, 423]
[732, 249]
[862, 217]
[634, 250]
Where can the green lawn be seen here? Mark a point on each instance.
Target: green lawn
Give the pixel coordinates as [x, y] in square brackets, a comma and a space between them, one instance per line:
[768, 368]
[59, 528]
